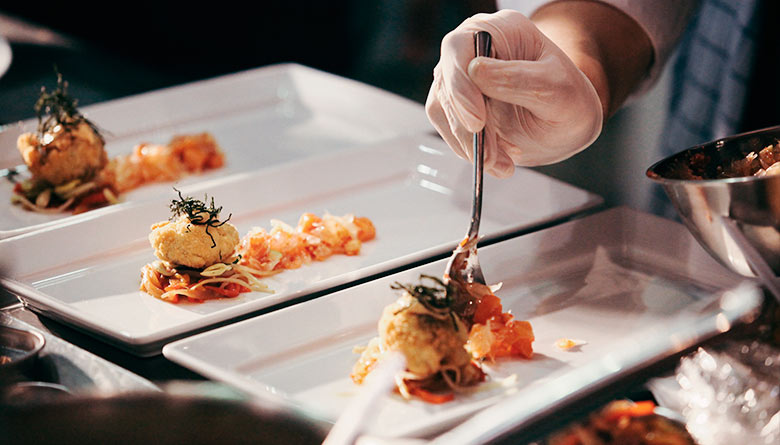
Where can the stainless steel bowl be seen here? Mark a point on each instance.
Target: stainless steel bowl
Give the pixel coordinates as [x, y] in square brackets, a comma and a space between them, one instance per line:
[735, 218]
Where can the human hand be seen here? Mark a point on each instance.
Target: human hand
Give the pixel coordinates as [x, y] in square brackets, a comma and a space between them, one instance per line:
[540, 107]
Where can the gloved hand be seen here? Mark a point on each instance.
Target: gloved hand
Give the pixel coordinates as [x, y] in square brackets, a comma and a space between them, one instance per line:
[540, 107]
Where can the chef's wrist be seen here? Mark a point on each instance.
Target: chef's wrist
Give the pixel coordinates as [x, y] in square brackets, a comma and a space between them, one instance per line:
[608, 46]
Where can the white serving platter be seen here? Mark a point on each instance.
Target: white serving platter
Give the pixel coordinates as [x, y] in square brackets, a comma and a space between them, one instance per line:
[260, 117]
[416, 192]
[628, 284]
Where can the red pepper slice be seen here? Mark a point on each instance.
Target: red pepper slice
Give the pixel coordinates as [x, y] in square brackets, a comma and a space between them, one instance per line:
[94, 198]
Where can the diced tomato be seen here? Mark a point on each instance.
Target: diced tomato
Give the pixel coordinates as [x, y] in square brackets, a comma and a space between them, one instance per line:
[489, 306]
[366, 231]
[197, 152]
[308, 222]
[314, 239]
[292, 248]
[501, 336]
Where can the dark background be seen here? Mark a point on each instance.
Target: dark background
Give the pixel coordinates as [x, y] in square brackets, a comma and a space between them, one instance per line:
[115, 49]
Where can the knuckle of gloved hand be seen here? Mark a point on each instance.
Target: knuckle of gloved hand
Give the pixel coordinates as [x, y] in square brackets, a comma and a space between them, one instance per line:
[454, 42]
[432, 105]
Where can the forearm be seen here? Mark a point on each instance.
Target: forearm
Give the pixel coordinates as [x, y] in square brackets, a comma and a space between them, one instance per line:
[608, 46]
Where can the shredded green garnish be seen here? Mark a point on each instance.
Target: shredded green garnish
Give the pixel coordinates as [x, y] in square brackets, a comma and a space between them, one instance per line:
[58, 108]
[199, 213]
[437, 298]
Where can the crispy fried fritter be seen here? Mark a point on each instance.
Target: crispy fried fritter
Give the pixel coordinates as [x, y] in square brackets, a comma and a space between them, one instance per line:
[427, 342]
[75, 153]
[180, 242]
[430, 344]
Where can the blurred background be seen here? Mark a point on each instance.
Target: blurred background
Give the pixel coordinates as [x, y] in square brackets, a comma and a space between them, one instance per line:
[106, 52]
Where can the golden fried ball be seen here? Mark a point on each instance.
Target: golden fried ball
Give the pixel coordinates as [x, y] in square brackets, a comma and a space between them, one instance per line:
[77, 153]
[427, 342]
[182, 243]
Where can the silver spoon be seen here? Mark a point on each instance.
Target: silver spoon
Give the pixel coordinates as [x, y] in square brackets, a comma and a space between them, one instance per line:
[463, 268]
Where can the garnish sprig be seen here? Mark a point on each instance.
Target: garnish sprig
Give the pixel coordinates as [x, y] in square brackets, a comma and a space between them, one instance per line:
[198, 212]
[435, 297]
[439, 297]
[58, 108]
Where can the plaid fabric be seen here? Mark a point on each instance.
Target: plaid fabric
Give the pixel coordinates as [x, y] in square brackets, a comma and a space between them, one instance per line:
[710, 79]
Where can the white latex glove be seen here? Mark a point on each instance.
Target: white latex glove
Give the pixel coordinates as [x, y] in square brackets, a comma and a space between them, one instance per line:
[540, 109]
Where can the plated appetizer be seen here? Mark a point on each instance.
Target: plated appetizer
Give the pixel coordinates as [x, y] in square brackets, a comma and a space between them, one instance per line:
[443, 342]
[71, 171]
[65, 156]
[196, 258]
[201, 257]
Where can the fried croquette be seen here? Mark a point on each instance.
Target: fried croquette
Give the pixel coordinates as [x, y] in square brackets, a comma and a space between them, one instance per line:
[64, 154]
[430, 344]
[180, 242]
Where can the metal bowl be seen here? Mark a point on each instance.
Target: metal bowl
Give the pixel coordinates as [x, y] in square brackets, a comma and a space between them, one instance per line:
[18, 353]
[736, 218]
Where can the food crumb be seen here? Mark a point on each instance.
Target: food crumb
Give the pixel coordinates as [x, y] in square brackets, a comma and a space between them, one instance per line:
[568, 343]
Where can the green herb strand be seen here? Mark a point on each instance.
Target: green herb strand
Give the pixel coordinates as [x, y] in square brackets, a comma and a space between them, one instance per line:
[198, 213]
[58, 108]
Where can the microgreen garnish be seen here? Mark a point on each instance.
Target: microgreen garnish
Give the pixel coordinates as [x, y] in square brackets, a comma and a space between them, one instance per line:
[437, 297]
[198, 212]
[58, 108]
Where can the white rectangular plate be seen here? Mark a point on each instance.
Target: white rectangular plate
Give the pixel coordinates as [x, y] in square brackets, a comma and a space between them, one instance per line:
[417, 193]
[260, 117]
[616, 280]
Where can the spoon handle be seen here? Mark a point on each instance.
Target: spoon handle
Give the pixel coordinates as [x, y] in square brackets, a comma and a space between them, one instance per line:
[481, 48]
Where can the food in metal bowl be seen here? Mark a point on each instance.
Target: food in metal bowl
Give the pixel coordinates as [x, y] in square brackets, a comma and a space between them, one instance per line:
[725, 194]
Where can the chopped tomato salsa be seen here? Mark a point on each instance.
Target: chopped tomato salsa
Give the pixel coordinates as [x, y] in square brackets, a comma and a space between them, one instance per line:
[313, 239]
[496, 333]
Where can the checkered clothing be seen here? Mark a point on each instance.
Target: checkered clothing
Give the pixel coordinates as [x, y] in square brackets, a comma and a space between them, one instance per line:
[710, 79]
